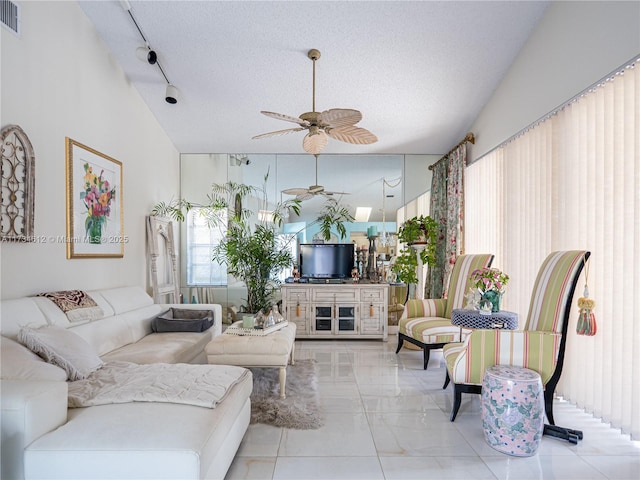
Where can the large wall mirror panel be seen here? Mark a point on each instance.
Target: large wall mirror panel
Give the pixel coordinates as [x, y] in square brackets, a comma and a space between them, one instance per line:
[359, 177]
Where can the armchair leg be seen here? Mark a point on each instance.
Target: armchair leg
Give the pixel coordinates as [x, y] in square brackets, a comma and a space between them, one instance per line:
[457, 399]
[426, 348]
[548, 405]
[400, 342]
[446, 380]
[426, 356]
[458, 390]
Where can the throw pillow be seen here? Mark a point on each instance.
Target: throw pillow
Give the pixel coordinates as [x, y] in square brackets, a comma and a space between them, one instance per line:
[63, 348]
[21, 363]
[77, 305]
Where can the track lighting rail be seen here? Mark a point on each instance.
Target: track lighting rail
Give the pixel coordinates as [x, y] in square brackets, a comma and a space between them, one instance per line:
[171, 92]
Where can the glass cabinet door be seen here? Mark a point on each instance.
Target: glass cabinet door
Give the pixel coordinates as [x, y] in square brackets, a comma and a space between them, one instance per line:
[323, 318]
[346, 319]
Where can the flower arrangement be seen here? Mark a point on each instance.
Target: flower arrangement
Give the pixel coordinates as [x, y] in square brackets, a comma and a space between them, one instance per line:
[97, 197]
[490, 283]
[487, 279]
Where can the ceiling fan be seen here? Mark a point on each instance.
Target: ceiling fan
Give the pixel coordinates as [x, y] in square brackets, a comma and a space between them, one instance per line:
[307, 193]
[337, 123]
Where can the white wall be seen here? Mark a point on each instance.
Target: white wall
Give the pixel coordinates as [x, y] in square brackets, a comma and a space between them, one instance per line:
[575, 45]
[59, 80]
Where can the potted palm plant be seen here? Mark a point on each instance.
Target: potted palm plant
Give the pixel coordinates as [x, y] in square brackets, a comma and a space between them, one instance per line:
[251, 248]
[420, 230]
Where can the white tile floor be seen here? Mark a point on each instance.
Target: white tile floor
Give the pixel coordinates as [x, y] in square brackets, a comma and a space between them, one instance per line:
[387, 418]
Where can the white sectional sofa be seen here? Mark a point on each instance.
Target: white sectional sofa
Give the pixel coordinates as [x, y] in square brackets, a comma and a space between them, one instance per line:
[43, 438]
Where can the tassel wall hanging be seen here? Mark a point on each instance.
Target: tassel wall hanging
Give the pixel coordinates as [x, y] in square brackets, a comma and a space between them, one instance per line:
[586, 318]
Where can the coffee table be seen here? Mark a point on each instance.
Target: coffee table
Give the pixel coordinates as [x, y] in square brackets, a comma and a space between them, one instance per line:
[275, 350]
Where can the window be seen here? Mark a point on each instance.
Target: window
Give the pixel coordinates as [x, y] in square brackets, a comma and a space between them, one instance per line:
[201, 240]
[571, 182]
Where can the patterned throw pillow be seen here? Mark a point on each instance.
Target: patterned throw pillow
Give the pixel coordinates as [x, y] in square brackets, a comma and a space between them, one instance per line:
[77, 305]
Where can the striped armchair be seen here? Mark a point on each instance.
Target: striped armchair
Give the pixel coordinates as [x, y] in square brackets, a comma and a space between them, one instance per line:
[540, 346]
[427, 323]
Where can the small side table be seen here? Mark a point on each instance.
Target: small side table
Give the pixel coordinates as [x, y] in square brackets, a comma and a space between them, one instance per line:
[474, 319]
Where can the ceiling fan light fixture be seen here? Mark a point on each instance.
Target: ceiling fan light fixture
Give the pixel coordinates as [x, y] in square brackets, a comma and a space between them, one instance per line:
[311, 191]
[337, 123]
[314, 143]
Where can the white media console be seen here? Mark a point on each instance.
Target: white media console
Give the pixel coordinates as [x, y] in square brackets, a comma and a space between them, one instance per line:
[348, 310]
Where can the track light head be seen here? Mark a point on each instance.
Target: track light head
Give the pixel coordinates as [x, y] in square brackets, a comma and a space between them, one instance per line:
[147, 55]
[171, 95]
[239, 160]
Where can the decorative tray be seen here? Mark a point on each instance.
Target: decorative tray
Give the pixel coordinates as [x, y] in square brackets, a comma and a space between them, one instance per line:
[237, 329]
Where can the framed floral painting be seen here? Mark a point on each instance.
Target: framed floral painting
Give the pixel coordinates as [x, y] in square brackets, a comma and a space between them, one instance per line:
[95, 212]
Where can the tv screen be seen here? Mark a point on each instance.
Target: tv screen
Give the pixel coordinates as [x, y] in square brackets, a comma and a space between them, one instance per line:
[326, 260]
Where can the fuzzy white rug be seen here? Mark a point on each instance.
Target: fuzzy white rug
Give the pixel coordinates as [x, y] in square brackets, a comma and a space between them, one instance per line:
[300, 410]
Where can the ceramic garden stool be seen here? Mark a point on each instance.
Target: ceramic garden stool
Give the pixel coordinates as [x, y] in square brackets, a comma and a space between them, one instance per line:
[512, 409]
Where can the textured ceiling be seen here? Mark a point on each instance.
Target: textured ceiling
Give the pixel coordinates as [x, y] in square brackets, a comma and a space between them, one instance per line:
[420, 72]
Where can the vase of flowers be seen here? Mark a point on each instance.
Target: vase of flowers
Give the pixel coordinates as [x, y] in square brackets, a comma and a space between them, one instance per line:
[491, 283]
[97, 197]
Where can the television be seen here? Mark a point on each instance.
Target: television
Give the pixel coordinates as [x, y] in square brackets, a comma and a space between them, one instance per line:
[326, 260]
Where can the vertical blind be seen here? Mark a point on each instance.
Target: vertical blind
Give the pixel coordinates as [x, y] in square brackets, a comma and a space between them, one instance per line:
[571, 182]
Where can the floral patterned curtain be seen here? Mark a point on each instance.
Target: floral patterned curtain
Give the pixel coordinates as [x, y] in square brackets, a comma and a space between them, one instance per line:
[447, 208]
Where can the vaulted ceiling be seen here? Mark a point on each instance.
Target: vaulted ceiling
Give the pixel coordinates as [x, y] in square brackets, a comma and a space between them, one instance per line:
[419, 71]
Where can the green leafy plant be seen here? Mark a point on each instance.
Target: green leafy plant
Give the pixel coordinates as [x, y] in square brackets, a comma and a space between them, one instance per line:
[251, 249]
[419, 230]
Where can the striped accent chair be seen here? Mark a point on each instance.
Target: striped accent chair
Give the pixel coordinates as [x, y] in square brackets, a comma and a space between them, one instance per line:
[539, 347]
[427, 323]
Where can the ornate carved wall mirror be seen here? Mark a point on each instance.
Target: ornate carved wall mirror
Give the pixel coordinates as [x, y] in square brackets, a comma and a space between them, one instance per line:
[18, 185]
[162, 260]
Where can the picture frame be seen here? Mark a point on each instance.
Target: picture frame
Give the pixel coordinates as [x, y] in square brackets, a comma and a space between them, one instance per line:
[95, 209]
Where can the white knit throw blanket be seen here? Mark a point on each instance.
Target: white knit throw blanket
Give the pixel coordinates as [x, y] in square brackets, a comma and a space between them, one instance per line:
[124, 382]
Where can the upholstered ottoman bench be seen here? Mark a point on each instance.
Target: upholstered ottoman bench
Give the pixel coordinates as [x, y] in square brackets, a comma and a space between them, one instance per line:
[274, 350]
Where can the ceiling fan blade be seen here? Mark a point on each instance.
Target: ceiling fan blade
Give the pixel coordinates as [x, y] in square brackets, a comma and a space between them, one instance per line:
[295, 191]
[314, 144]
[351, 134]
[286, 118]
[335, 193]
[278, 133]
[340, 117]
[304, 196]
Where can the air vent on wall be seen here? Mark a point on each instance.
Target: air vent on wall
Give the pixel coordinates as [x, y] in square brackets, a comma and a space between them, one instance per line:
[10, 16]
